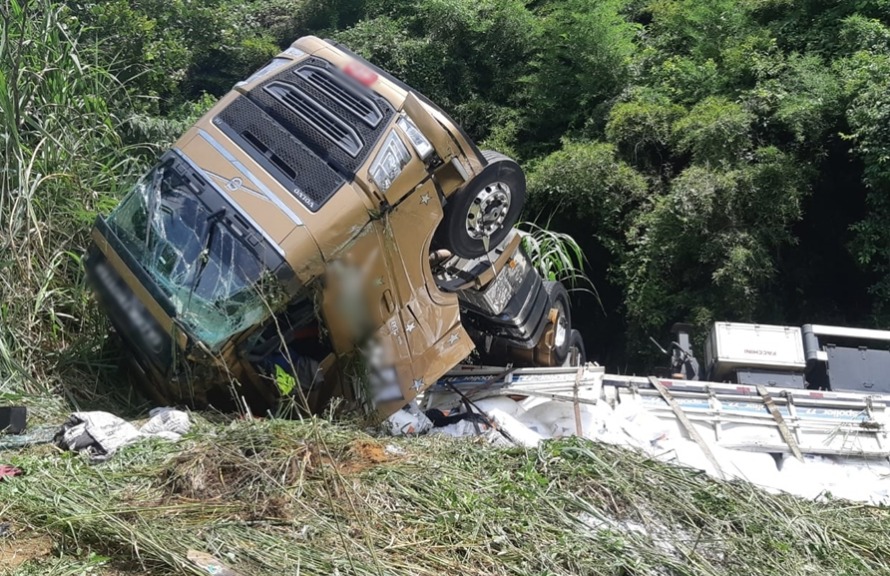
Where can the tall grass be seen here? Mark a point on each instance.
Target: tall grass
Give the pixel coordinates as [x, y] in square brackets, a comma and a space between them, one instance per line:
[61, 162]
[272, 497]
[557, 256]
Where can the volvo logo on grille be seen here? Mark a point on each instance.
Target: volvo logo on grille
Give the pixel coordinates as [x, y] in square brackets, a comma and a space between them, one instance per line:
[234, 184]
[303, 197]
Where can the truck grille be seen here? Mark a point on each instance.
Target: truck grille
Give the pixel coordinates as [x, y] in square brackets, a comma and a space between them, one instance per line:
[315, 114]
[306, 176]
[341, 92]
[339, 120]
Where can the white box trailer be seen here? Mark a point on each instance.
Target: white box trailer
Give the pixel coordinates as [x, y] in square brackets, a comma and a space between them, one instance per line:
[732, 347]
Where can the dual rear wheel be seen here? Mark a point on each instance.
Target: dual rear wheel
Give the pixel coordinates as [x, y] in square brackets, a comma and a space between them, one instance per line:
[477, 218]
[558, 345]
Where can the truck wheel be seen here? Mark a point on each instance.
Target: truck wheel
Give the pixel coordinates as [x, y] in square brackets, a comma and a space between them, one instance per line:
[559, 299]
[488, 206]
[577, 354]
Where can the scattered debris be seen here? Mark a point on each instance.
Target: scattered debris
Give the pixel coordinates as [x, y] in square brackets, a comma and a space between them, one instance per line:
[100, 434]
[35, 436]
[725, 430]
[461, 428]
[166, 423]
[7, 471]
[408, 421]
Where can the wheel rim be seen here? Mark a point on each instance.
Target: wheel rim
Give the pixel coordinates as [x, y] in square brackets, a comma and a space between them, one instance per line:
[488, 211]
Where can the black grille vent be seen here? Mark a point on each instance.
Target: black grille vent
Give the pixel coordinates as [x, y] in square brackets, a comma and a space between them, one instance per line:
[342, 93]
[315, 114]
[316, 139]
[305, 175]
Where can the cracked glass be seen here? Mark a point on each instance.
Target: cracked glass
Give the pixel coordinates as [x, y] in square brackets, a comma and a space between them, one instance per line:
[211, 277]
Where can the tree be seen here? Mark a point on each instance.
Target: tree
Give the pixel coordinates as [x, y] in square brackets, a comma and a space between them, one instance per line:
[169, 51]
[467, 56]
[581, 65]
[587, 180]
[705, 250]
[867, 81]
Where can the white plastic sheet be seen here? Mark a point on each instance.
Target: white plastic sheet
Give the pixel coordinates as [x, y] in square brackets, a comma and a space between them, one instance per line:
[100, 434]
[408, 421]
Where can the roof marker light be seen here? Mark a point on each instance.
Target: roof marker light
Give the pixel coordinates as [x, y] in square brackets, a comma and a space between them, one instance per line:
[361, 73]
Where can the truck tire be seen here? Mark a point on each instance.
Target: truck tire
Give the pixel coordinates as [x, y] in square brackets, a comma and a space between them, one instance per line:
[488, 205]
[559, 299]
[577, 354]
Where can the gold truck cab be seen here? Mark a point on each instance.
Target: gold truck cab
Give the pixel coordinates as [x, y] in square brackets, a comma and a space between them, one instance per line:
[282, 248]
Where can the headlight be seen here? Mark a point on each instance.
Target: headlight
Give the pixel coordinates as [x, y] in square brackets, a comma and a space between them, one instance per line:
[388, 164]
[421, 145]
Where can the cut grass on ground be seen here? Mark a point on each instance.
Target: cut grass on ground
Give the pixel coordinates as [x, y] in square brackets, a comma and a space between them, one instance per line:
[280, 497]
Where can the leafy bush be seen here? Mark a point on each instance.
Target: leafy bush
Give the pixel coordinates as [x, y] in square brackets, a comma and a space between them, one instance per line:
[587, 180]
[715, 131]
[706, 247]
[582, 63]
[643, 127]
[467, 56]
[167, 51]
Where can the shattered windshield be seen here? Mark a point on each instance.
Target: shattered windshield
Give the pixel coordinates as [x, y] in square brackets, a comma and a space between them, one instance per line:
[209, 274]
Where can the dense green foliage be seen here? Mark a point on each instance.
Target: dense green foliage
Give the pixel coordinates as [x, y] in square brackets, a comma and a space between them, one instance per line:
[716, 159]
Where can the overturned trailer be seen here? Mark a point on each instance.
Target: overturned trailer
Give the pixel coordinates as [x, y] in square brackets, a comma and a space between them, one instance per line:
[711, 414]
[779, 389]
[324, 230]
[800, 410]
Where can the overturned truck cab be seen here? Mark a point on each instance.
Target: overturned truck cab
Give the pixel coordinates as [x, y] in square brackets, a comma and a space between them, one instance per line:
[322, 231]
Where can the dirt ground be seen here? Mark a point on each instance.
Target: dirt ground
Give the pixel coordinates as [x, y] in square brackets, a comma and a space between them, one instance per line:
[20, 547]
[364, 454]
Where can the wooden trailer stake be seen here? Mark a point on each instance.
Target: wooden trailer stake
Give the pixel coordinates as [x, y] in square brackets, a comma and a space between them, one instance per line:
[687, 424]
[780, 422]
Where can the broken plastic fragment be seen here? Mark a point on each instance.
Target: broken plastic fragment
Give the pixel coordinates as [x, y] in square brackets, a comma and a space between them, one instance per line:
[286, 382]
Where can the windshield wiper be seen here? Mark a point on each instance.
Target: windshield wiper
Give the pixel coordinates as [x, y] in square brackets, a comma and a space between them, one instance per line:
[213, 221]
